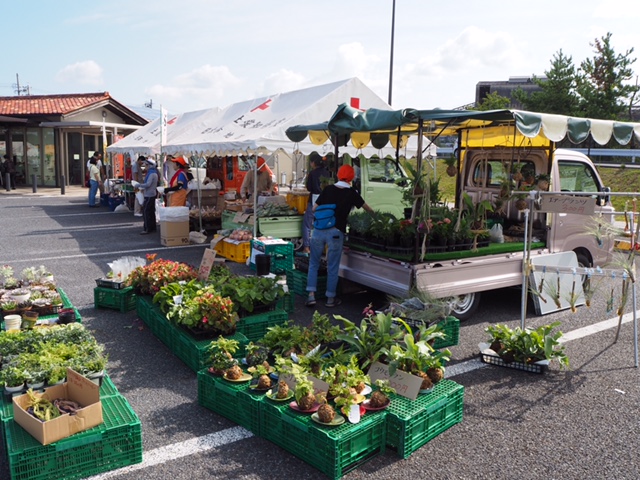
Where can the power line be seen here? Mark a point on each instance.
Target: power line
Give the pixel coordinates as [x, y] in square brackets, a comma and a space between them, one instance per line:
[20, 90]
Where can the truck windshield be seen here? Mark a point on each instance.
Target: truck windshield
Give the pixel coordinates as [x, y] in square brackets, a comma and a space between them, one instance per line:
[577, 177]
[384, 170]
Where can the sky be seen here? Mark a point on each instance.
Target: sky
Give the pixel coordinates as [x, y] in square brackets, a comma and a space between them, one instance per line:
[196, 54]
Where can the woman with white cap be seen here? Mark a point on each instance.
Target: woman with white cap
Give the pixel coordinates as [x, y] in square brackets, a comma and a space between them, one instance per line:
[149, 189]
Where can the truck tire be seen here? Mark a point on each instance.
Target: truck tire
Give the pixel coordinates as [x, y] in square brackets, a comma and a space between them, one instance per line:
[464, 306]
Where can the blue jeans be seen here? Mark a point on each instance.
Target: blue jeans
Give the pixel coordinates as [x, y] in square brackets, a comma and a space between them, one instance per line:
[93, 189]
[333, 239]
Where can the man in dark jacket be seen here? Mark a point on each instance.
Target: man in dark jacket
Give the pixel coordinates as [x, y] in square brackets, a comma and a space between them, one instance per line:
[314, 186]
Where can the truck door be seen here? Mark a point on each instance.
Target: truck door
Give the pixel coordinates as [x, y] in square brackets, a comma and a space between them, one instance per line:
[378, 180]
[574, 232]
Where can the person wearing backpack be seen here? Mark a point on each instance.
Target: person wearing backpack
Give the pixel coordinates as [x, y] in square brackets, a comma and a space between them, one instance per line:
[179, 185]
[331, 210]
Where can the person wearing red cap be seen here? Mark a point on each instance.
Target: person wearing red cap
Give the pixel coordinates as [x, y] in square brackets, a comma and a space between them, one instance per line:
[264, 182]
[339, 198]
[179, 185]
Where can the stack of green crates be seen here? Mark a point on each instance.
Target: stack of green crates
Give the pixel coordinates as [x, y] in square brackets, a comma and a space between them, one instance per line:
[123, 299]
[412, 423]
[281, 255]
[114, 444]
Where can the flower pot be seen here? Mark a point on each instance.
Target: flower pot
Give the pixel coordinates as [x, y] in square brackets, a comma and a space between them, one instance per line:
[29, 319]
[13, 390]
[20, 298]
[96, 377]
[12, 322]
[35, 386]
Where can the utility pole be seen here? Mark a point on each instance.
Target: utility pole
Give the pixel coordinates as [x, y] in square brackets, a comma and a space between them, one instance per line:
[393, 27]
[20, 90]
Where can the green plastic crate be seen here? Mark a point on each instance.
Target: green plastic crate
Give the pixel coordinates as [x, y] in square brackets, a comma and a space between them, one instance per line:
[114, 444]
[231, 400]
[334, 451]
[297, 283]
[255, 327]
[413, 423]
[451, 327]
[194, 353]
[123, 300]
[144, 307]
[287, 303]
[281, 255]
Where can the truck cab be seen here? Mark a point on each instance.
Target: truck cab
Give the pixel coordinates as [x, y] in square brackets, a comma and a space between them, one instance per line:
[377, 180]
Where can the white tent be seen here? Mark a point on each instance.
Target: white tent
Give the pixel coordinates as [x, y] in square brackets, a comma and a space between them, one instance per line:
[146, 140]
[258, 125]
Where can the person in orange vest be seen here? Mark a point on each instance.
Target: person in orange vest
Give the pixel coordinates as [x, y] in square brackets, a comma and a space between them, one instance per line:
[179, 185]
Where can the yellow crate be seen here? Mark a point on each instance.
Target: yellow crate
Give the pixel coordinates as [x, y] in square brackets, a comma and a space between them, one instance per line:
[298, 201]
[237, 252]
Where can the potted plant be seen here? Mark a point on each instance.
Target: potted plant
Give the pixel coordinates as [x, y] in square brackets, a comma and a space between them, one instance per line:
[380, 398]
[6, 272]
[13, 379]
[56, 374]
[304, 393]
[20, 295]
[221, 353]
[526, 346]
[452, 170]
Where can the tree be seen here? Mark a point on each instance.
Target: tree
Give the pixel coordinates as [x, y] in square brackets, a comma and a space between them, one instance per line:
[493, 101]
[603, 82]
[558, 90]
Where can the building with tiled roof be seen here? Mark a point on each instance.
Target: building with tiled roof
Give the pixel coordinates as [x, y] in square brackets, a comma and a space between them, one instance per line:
[52, 136]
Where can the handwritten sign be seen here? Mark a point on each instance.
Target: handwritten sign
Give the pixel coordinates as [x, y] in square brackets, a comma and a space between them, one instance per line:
[568, 204]
[243, 218]
[405, 384]
[208, 259]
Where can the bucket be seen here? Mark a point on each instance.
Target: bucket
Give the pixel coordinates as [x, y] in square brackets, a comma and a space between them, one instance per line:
[66, 315]
[263, 264]
[29, 319]
[12, 322]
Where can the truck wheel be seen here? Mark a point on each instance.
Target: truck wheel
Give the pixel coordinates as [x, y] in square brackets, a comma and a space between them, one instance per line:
[297, 243]
[464, 306]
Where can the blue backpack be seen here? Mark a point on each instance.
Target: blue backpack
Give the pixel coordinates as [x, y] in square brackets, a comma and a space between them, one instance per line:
[324, 216]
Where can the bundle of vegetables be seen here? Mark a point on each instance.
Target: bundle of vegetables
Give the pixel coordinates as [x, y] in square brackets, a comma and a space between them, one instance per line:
[275, 210]
[241, 234]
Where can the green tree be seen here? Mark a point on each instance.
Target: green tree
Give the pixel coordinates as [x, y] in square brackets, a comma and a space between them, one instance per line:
[603, 82]
[493, 101]
[558, 90]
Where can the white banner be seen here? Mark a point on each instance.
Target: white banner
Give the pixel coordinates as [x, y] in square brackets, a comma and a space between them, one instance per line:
[163, 126]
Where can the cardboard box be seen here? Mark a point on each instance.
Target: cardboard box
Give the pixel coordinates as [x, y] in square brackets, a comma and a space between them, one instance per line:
[76, 388]
[173, 234]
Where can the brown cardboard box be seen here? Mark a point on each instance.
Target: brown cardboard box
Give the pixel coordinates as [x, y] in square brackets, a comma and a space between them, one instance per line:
[209, 197]
[76, 388]
[173, 234]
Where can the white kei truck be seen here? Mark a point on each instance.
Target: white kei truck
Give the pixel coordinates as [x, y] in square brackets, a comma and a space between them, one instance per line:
[491, 144]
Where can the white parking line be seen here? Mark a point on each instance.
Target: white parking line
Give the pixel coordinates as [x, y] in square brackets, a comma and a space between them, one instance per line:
[183, 449]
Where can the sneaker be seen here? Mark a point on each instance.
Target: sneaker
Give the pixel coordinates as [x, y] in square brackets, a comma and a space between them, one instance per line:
[137, 214]
[311, 301]
[333, 302]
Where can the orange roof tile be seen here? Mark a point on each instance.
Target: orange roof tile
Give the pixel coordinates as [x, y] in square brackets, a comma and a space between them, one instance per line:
[49, 104]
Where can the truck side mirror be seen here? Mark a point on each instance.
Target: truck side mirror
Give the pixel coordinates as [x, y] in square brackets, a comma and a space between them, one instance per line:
[604, 199]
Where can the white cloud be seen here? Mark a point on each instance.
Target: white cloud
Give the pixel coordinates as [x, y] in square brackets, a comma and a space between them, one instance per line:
[81, 73]
[283, 80]
[201, 88]
[617, 9]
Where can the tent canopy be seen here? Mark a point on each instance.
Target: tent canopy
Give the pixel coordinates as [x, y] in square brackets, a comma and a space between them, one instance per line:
[147, 140]
[380, 125]
[258, 125]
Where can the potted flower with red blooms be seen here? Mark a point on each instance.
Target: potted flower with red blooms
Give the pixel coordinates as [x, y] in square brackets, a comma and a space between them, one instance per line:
[213, 313]
[148, 279]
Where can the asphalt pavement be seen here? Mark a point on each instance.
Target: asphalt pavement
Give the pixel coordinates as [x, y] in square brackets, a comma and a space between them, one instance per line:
[574, 424]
